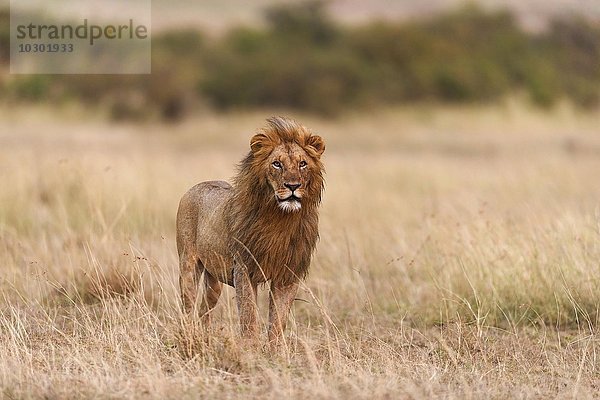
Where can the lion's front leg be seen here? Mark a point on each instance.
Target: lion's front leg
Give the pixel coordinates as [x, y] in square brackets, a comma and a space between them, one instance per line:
[245, 292]
[281, 299]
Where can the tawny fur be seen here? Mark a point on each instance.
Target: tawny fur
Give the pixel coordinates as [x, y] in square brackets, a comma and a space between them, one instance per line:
[247, 234]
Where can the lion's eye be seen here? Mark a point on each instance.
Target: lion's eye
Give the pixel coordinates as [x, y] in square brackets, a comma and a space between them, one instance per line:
[276, 164]
[303, 164]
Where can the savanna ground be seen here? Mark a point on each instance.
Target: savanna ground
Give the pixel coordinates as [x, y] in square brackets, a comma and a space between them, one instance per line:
[459, 258]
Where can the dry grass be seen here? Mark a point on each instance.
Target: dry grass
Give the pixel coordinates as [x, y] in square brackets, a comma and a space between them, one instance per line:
[459, 258]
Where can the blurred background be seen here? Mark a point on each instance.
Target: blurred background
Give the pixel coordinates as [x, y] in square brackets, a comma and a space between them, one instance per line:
[329, 57]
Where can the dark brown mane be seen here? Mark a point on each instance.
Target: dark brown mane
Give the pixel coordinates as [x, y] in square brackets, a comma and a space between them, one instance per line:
[274, 245]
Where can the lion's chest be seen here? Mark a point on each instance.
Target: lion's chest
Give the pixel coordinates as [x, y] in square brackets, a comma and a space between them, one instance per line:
[281, 253]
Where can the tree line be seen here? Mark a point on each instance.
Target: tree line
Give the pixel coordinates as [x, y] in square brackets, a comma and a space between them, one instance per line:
[303, 59]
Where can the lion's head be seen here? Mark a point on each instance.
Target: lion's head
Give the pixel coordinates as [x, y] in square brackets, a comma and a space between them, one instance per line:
[286, 158]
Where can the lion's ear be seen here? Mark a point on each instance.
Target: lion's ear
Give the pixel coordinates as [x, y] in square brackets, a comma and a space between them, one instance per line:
[317, 144]
[258, 141]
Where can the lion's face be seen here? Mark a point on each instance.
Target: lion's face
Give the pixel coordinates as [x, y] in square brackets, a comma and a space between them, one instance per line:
[288, 175]
[291, 168]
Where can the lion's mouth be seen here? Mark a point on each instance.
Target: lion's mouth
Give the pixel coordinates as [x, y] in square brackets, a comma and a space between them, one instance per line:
[289, 198]
[289, 204]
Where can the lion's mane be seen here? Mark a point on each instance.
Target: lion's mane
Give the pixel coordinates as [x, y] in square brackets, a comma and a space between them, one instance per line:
[274, 245]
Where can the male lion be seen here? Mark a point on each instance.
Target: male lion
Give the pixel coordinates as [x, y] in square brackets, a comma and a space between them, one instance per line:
[263, 228]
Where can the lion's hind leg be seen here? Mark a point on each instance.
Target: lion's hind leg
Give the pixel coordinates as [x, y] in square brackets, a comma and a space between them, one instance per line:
[245, 293]
[190, 271]
[212, 292]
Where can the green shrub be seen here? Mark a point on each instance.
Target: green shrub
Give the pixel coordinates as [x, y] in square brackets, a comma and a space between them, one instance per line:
[29, 88]
[4, 36]
[304, 60]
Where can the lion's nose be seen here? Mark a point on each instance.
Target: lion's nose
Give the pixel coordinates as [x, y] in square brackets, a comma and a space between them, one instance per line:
[292, 186]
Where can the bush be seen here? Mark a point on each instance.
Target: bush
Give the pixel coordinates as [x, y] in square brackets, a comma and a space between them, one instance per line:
[299, 62]
[4, 36]
[29, 88]
[304, 60]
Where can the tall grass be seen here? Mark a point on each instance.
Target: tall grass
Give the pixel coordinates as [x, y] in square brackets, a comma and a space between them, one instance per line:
[454, 262]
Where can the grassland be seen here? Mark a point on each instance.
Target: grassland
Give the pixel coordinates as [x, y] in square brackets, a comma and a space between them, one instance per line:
[459, 258]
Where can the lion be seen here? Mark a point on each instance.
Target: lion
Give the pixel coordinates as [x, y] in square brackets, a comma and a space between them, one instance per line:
[262, 228]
